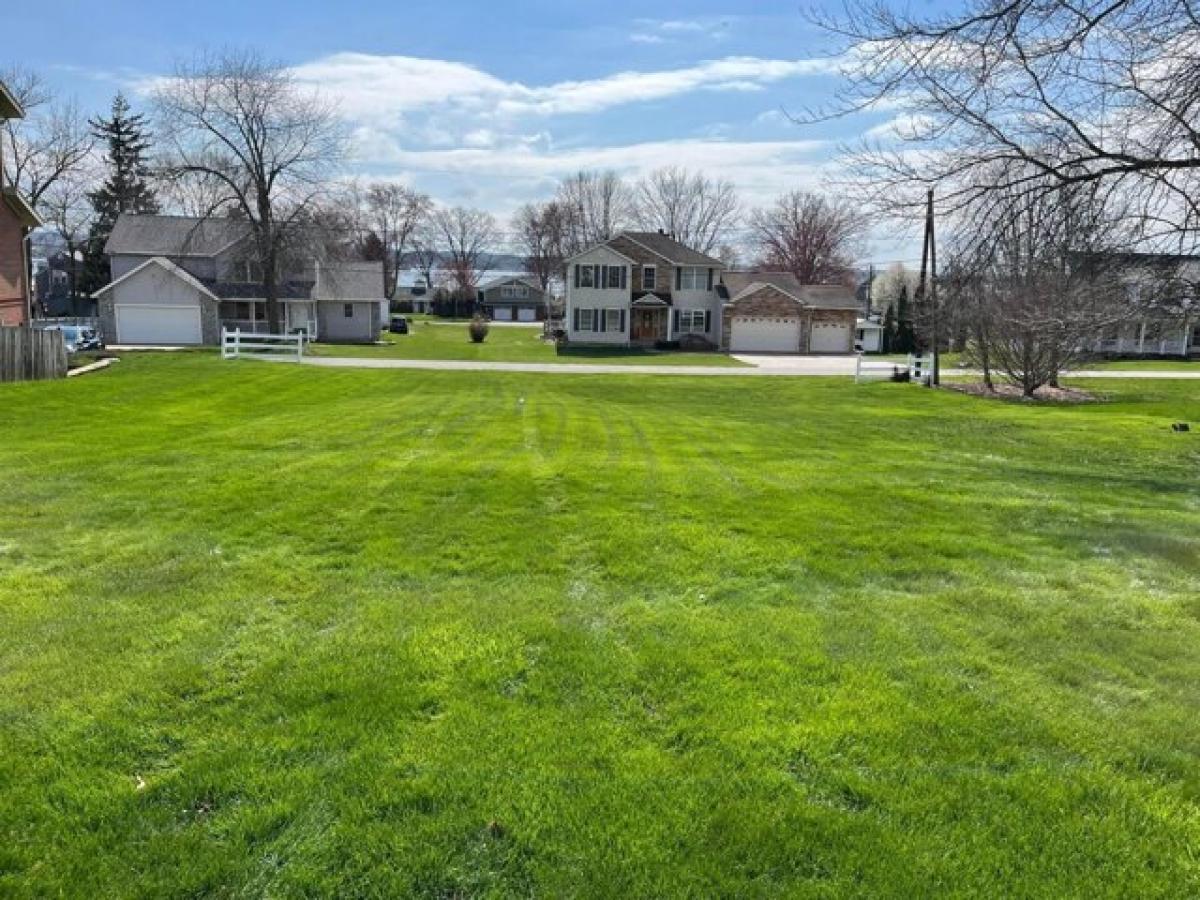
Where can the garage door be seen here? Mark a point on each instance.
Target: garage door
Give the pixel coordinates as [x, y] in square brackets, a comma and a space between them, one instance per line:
[829, 337]
[165, 325]
[765, 335]
[527, 314]
[502, 314]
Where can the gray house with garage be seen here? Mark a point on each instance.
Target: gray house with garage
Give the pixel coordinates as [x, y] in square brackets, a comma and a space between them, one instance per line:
[179, 280]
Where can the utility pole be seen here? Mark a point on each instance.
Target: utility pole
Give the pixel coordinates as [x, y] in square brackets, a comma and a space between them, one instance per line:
[933, 297]
[929, 271]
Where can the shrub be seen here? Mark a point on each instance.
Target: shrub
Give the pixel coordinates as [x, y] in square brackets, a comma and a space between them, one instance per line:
[478, 329]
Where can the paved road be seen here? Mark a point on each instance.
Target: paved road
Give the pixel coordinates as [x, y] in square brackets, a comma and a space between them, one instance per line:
[760, 366]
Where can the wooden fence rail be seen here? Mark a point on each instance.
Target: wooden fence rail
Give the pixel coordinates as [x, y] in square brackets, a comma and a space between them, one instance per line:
[30, 354]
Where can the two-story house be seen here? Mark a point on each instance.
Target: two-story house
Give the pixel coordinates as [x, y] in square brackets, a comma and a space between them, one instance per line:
[514, 298]
[178, 280]
[643, 288]
[17, 218]
[647, 289]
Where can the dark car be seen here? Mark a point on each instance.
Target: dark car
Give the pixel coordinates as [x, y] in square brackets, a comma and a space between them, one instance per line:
[398, 325]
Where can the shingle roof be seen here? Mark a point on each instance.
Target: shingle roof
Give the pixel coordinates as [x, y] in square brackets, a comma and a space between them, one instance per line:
[244, 290]
[818, 296]
[349, 281]
[526, 280]
[671, 250]
[173, 235]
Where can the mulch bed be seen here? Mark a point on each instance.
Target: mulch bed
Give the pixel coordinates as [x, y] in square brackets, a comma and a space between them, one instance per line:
[1045, 394]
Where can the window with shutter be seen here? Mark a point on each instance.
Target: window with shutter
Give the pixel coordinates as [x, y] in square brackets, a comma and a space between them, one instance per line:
[649, 278]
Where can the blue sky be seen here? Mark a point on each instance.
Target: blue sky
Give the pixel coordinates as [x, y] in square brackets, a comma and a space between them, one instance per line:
[488, 104]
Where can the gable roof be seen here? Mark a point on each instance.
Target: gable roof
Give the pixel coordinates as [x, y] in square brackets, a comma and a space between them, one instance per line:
[349, 281]
[526, 280]
[638, 246]
[670, 249]
[144, 235]
[166, 265]
[737, 284]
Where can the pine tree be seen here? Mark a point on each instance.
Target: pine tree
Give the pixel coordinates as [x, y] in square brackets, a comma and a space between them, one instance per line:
[889, 329]
[126, 188]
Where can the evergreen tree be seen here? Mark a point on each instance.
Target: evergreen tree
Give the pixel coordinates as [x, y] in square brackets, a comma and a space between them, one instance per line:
[889, 329]
[125, 189]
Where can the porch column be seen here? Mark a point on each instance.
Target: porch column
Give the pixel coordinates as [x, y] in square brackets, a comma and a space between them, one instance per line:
[670, 316]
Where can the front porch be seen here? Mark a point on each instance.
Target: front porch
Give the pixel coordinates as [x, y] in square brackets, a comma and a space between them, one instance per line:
[250, 316]
[649, 321]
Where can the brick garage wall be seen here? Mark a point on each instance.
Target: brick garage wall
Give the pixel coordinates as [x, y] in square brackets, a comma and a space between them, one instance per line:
[12, 268]
[847, 317]
[767, 302]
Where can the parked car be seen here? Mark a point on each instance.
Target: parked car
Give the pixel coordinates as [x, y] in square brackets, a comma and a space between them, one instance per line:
[78, 337]
[398, 325]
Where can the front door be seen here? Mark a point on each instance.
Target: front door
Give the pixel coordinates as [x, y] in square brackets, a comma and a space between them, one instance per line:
[647, 325]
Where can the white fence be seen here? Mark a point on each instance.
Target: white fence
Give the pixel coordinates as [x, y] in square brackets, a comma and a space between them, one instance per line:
[920, 368]
[236, 343]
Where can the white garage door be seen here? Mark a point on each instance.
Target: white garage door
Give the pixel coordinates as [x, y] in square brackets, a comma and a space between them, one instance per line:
[830, 338]
[527, 314]
[165, 325]
[765, 335]
[502, 313]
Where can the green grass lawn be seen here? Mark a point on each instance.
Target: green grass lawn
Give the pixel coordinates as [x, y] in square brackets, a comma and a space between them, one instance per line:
[271, 630]
[429, 339]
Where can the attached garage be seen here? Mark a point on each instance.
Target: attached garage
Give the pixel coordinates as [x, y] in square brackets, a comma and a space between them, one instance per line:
[765, 334]
[772, 312]
[502, 313]
[830, 337]
[526, 314]
[158, 304]
[161, 325]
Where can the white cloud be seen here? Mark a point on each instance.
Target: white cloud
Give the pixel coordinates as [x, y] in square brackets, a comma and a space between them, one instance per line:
[370, 86]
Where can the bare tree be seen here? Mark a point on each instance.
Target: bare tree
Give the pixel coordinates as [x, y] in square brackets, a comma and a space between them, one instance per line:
[392, 213]
[1039, 287]
[541, 231]
[696, 210]
[812, 237]
[52, 142]
[597, 204]
[465, 237]
[1044, 96]
[67, 210]
[244, 125]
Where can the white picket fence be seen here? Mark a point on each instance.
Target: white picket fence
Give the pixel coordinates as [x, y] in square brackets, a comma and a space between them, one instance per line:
[238, 343]
[920, 368]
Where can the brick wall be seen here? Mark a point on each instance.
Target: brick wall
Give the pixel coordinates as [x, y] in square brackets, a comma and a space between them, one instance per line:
[767, 301]
[12, 268]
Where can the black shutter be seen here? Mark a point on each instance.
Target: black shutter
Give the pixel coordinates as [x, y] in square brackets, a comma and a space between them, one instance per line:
[675, 321]
[577, 308]
[622, 321]
[604, 276]
[576, 285]
[708, 315]
[596, 276]
[678, 278]
[710, 279]
[599, 320]
[623, 271]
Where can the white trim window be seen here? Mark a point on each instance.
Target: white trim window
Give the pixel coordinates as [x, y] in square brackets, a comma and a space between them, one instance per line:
[587, 320]
[693, 278]
[691, 321]
[612, 320]
[514, 291]
[586, 276]
[649, 277]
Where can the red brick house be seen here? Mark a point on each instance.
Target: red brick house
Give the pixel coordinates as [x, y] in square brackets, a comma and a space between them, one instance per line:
[16, 219]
